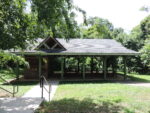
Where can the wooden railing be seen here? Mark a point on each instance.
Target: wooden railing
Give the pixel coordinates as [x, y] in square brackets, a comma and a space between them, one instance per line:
[15, 88]
[44, 82]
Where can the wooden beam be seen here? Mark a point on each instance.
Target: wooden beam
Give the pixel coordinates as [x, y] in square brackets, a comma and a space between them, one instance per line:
[40, 65]
[54, 46]
[83, 67]
[105, 67]
[114, 63]
[78, 68]
[64, 65]
[17, 71]
[125, 67]
[46, 46]
[91, 65]
[62, 68]
[99, 64]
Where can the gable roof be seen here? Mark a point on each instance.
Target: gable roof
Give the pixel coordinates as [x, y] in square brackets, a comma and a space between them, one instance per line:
[98, 46]
[82, 47]
[47, 39]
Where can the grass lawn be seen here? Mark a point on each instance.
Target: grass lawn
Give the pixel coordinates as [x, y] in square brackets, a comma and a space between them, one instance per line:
[99, 97]
[23, 86]
[139, 78]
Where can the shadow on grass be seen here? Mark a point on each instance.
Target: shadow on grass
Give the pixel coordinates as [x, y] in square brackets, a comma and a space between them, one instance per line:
[137, 79]
[81, 106]
[86, 82]
[23, 83]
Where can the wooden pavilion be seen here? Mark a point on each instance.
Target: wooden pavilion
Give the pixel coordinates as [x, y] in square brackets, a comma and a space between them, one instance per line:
[42, 52]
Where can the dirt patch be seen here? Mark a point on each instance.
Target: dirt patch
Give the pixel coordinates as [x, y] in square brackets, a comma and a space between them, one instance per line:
[4, 94]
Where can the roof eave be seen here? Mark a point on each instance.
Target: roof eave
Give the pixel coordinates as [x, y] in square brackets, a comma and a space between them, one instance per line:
[77, 54]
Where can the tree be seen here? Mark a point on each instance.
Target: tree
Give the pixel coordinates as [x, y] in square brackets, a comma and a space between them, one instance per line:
[145, 56]
[97, 28]
[57, 16]
[119, 35]
[16, 29]
[145, 28]
[11, 60]
[136, 41]
[15, 24]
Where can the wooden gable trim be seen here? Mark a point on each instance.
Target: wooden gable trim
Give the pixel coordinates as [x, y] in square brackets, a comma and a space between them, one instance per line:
[59, 44]
[46, 46]
[44, 43]
[54, 46]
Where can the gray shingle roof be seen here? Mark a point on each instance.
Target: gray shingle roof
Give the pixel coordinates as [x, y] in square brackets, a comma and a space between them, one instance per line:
[86, 47]
[94, 46]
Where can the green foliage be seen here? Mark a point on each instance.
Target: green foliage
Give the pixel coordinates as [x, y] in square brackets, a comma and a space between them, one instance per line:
[57, 16]
[14, 24]
[145, 28]
[97, 28]
[145, 53]
[7, 74]
[133, 41]
[136, 41]
[9, 59]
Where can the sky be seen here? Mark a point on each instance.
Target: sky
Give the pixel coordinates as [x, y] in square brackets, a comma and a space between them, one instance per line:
[121, 13]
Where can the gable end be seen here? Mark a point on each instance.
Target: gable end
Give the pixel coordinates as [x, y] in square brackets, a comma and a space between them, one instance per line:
[50, 44]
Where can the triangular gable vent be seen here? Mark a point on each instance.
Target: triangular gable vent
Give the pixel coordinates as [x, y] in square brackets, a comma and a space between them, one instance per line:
[50, 44]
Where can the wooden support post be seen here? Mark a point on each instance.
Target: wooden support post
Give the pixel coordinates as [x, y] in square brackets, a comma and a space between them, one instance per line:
[125, 67]
[17, 71]
[99, 64]
[46, 67]
[83, 67]
[105, 67]
[91, 64]
[78, 69]
[64, 65]
[62, 68]
[40, 66]
[114, 66]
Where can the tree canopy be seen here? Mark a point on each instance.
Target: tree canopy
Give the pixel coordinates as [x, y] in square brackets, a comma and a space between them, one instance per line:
[97, 28]
[58, 17]
[14, 24]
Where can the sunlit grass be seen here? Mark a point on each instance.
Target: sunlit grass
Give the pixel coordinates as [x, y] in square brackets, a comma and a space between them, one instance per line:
[131, 98]
[139, 77]
[100, 97]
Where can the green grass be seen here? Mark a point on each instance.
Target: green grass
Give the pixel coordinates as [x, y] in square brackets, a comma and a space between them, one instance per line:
[23, 86]
[139, 77]
[99, 97]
